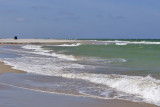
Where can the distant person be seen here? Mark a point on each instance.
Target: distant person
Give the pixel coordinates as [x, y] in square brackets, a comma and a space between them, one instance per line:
[15, 37]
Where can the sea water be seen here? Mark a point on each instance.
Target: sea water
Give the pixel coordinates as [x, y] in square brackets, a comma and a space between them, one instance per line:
[114, 69]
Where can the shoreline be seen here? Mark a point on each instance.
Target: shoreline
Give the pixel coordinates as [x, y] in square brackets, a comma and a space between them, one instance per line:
[62, 96]
[21, 97]
[38, 41]
[8, 69]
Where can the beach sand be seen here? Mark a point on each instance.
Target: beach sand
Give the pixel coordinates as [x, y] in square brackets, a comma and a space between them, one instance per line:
[7, 68]
[38, 41]
[18, 97]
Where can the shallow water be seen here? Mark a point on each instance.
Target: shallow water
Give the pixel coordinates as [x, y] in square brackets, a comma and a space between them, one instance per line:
[108, 69]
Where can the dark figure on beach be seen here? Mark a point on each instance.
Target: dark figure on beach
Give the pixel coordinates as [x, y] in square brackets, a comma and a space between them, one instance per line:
[15, 37]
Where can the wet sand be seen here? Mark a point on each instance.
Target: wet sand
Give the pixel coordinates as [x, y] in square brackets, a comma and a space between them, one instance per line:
[18, 97]
[7, 68]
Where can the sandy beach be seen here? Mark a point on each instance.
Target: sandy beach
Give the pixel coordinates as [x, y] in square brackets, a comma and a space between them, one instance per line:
[38, 41]
[13, 96]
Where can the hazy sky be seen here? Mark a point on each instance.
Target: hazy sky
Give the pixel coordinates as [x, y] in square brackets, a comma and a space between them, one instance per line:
[72, 19]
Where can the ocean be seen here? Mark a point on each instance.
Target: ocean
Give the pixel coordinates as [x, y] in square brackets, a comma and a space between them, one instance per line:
[107, 69]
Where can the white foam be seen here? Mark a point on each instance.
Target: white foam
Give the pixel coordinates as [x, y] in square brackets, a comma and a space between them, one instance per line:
[37, 49]
[146, 88]
[99, 60]
[146, 42]
[32, 47]
[118, 42]
[41, 65]
[121, 43]
[68, 45]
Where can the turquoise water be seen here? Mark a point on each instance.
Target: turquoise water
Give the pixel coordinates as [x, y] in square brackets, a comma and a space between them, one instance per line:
[139, 59]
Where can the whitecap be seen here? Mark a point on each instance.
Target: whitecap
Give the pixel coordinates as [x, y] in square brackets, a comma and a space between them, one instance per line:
[68, 45]
[121, 43]
[37, 49]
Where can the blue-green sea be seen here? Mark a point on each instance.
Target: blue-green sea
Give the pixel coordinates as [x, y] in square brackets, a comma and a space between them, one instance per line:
[117, 69]
[131, 59]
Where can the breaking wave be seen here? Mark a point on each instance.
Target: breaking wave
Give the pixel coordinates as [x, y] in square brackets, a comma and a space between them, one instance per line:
[146, 88]
[118, 42]
[68, 45]
[38, 50]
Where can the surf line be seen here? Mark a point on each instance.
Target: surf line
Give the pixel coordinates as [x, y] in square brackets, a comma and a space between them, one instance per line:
[56, 93]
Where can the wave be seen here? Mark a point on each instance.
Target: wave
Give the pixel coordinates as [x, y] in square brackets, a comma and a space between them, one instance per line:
[146, 88]
[39, 50]
[134, 42]
[102, 60]
[41, 65]
[146, 42]
[68, 45]
[121, 43]
[118, 42]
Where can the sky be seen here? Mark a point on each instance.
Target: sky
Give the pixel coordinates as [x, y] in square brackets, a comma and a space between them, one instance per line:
[77, 19]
